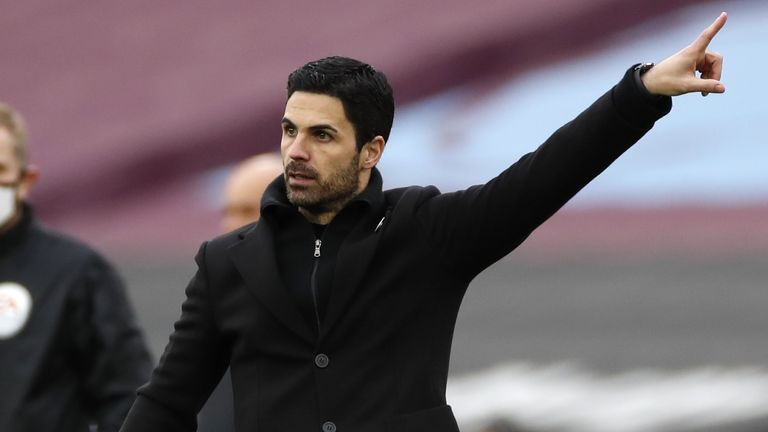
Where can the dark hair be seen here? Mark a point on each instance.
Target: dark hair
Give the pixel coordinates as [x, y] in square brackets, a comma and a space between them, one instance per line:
[364, 92]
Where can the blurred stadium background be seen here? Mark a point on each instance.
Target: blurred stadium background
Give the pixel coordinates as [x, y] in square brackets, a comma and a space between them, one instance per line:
[637, 308]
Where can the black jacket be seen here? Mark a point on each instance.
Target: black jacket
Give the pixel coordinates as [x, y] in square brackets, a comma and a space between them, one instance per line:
[80, 356]
[379, 361]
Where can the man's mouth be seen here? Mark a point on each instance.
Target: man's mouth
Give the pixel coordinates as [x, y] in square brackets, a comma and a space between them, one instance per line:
[300, 177]
[300, 174]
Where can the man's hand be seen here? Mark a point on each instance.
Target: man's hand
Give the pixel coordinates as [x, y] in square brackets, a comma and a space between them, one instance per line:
[676, 75]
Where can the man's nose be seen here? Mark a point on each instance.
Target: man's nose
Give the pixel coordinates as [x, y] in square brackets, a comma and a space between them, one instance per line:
[298, 150]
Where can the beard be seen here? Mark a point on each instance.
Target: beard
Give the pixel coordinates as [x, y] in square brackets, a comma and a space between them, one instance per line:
[327, 194]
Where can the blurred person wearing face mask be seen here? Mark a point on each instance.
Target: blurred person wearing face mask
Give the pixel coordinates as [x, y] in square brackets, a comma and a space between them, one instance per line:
[71, 353]
[15, 177]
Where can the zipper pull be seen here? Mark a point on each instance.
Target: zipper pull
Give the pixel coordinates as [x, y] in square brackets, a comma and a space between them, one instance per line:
[318, 242]
[381, 222]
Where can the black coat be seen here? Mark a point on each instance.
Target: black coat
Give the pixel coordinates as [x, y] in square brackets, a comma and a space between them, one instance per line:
[380, 360]
[80, 356]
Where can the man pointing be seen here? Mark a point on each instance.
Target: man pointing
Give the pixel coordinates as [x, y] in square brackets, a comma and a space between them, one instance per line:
[335, 312]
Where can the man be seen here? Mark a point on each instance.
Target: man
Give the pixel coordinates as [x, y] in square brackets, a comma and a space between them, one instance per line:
[244, 188]
[242, 201]
[335, 312]
[71, 355]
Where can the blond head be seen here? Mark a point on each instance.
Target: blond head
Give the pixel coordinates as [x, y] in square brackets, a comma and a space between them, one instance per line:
[13, 123]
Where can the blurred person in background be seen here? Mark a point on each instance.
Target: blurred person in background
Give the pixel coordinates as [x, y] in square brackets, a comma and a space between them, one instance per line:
[335, 311]
[244, 188]
[71, 353]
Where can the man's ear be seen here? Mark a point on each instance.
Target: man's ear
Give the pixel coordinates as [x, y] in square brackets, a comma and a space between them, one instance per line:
[371, 152]
[28, 179]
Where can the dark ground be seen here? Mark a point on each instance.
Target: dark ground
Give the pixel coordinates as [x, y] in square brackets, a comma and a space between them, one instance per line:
[608, 313]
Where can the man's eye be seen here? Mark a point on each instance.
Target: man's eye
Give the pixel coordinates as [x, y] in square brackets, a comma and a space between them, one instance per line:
[289, 131]
[323, 136]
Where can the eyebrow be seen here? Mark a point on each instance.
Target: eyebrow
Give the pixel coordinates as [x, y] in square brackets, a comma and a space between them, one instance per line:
[318, 127]
[321, 127]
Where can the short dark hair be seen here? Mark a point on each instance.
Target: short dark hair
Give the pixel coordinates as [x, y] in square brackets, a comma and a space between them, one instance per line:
[364, 92]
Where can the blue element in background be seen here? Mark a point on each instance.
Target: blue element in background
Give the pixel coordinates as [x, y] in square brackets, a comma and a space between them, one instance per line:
[709, 151]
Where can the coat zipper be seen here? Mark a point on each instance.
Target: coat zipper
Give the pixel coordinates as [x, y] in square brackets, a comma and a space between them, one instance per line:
[313, 281]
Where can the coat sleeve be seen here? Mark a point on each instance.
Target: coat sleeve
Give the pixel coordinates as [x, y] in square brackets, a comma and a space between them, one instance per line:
[473, 228]
[110, 352]
[193, 363]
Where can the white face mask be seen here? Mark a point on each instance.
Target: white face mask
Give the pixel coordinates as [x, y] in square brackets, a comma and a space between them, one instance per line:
[7, 203]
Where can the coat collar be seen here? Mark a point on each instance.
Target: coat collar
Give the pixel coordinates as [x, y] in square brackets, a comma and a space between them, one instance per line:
[14, 235]
[254, 256]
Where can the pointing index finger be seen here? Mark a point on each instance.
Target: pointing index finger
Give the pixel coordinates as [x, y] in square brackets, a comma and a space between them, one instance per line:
[709, 33]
